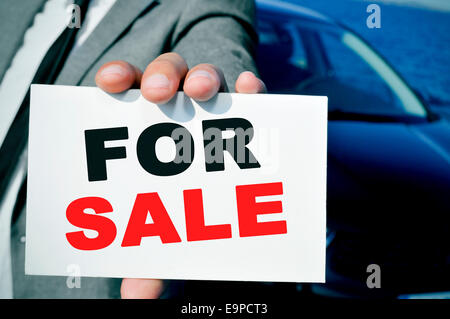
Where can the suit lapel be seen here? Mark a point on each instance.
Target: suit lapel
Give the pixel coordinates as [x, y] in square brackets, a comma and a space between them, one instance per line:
[120, 16]
[15, 18]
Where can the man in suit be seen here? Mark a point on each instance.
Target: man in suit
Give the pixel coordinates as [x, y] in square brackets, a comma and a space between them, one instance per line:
[159, 46]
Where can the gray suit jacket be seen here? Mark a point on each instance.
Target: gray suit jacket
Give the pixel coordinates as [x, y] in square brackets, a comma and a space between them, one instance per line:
[202, 31]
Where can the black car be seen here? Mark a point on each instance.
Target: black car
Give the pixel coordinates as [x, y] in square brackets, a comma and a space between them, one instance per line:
[388, 192]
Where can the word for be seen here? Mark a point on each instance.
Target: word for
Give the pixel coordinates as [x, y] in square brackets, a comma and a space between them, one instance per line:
[214, 146]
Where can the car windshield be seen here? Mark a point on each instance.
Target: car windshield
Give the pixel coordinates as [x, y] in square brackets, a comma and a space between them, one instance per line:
[303, 57]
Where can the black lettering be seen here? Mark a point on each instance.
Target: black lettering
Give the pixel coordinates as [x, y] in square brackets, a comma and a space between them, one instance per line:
[97, 154]
[184, 149]
[214, 144]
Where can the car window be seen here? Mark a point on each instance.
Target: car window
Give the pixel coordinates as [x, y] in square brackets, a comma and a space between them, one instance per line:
[281, 56]
[350, 70]
[300, 57]
[408, 100]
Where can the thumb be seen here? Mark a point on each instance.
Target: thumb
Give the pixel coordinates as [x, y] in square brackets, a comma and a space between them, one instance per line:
[133, 288]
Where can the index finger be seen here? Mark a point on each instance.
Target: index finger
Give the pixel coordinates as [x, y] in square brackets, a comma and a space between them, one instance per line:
[117, 76]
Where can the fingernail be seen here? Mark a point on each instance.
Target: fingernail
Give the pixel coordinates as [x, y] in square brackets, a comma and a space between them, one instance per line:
[156, 81]
[113, 70]
[200, 74]
[248, 73]
[205, 75]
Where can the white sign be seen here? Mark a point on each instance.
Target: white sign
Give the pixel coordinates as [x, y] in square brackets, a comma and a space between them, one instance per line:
[230, 189]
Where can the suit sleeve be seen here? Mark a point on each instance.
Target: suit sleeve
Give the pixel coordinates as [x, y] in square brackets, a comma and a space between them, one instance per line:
[218, 32]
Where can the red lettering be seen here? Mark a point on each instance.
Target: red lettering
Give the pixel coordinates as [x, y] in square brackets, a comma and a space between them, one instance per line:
[249, 209]
[195, 219]
[150, 203]
[103, 225]
[162, 224]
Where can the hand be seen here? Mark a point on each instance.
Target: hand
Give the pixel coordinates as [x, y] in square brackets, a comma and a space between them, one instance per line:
[159, 83]
[162, 77]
